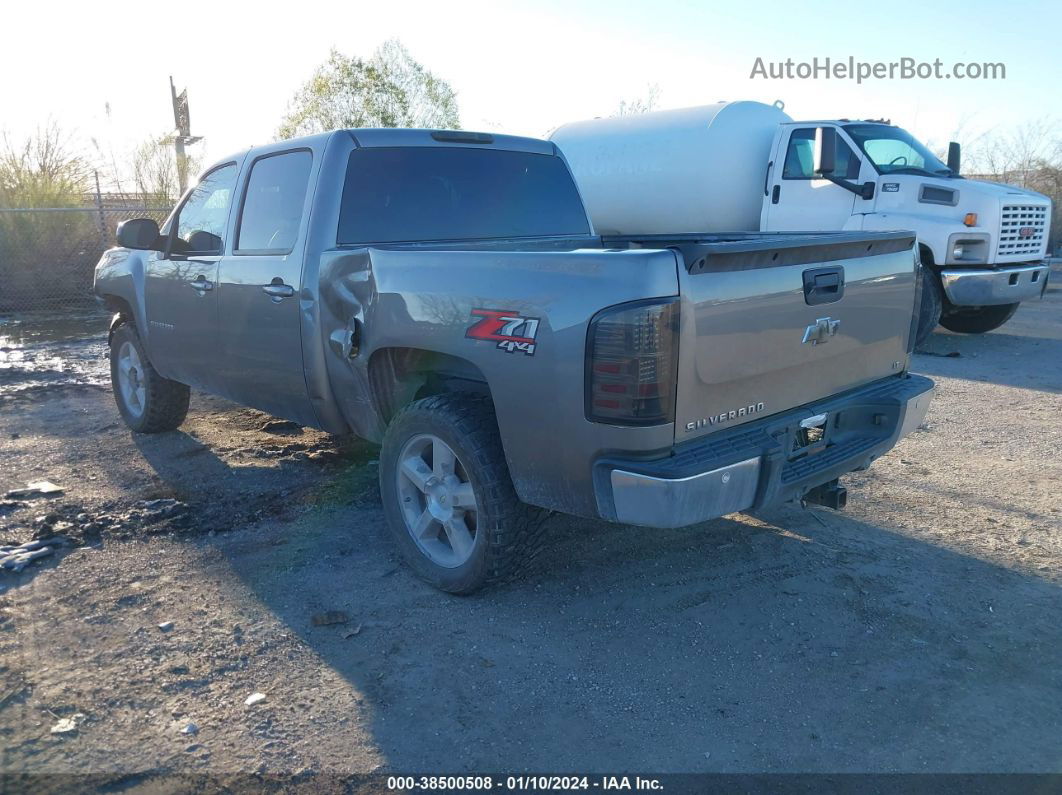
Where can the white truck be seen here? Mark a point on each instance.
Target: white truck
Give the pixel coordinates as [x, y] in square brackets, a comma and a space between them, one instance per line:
[747, 166]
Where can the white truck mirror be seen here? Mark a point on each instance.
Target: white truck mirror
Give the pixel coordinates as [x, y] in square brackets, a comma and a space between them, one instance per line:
[954, 156]
[825, 150]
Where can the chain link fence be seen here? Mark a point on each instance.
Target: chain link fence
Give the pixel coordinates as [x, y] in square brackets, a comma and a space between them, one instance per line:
[47, 254]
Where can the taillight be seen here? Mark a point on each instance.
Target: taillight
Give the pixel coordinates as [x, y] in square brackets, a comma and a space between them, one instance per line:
[631, 371]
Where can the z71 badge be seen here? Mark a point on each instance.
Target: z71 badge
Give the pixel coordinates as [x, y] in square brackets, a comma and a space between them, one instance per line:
[511, 331]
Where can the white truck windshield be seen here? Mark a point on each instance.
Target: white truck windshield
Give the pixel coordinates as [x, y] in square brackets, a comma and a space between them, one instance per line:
[893, 150]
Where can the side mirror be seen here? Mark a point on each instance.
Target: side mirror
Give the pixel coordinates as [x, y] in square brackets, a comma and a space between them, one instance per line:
[954, 156]
[825, 150]
[141, 233]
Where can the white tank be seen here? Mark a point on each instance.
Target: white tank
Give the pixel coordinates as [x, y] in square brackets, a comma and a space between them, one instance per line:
[688, 170]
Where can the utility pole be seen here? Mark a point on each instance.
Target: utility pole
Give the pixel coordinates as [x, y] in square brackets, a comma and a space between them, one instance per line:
[182, 122]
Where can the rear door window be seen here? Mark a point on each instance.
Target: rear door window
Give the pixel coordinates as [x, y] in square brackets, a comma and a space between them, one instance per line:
[407, 194]
[273, 203]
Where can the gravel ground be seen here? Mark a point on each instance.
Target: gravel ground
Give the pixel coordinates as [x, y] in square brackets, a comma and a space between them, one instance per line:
[916, 631]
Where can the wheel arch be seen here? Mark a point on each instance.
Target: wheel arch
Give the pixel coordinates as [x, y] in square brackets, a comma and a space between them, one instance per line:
[925, 254]
[400, 375]
[122, 312]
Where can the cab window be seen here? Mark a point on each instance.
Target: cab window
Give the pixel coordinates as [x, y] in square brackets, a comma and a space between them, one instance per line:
[413, 193]
[201, 221]
[273, 203]
[800, 157]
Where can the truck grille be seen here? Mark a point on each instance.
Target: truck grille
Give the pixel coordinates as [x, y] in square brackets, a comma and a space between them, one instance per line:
[1016, 219]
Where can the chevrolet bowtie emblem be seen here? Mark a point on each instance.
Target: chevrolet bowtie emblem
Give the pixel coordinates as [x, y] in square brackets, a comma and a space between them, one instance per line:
[821, 330]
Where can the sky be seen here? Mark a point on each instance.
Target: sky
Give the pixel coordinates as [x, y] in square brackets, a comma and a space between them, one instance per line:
[521, 68]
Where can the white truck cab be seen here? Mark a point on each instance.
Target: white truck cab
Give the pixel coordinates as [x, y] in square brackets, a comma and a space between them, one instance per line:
[746, 166]
[985, 241]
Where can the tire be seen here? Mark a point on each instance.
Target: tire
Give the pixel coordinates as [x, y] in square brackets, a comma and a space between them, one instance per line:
[427, 498]
[978, 321]
[930, 308]
[147, 402]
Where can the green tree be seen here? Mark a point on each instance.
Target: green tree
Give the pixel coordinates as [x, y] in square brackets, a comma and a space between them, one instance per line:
[43, 252]
[388, 90]
[42, 171]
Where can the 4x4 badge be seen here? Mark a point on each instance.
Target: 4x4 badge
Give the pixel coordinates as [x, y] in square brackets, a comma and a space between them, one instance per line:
[511, 331]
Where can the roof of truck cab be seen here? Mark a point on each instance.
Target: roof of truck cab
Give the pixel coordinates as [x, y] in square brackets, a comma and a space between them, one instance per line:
[820, 122]
[387, 137]
[372, 137]
[380, 137]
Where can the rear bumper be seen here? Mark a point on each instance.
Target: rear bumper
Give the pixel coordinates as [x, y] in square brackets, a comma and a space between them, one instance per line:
[759, 463]
[989, 287]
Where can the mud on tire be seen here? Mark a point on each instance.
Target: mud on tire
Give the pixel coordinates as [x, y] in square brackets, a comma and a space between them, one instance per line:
[147, 402]
[506, 533]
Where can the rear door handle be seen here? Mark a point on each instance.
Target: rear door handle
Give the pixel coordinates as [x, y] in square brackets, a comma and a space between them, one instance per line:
[775, 194]
[201, 284]
[277, 289]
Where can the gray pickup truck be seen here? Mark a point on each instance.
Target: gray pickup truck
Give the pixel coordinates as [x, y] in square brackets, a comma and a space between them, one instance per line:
[443, 294]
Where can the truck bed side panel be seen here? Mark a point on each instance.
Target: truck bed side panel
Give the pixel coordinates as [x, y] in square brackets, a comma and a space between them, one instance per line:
[424, 299]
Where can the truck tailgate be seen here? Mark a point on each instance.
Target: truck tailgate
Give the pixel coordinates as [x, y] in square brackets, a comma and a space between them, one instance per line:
[775, 322]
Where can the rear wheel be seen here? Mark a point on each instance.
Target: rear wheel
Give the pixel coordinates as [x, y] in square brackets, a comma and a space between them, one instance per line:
[147, 402]
[978, 321]
[449, 503]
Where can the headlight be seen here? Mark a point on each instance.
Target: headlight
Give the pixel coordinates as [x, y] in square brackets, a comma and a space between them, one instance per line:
[968, 248]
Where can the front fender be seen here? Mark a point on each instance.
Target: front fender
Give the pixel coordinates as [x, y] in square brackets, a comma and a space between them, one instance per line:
[119, 282]
[931, 232]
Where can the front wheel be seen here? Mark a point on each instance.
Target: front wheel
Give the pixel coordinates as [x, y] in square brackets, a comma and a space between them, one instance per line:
[929, 311]
[978, 321]
[147, 402]
[447, 496]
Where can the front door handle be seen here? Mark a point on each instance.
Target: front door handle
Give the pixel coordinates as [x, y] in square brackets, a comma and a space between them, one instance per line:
[201, 284]
[278, 290]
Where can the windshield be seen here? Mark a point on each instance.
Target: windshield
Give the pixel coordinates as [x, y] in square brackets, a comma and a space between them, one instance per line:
[893, 150]
[449, 193]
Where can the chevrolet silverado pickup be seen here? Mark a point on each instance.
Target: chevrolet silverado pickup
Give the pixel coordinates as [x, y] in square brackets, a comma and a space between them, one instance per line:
[444, 294]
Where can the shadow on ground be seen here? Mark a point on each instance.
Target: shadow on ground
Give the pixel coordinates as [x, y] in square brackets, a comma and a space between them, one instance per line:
[808, 641]
[1032, 337]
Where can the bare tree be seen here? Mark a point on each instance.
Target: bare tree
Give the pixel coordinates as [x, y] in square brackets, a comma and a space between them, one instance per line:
[1027, 156]
[155, 173]
[643, 104]
[1012, 155]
